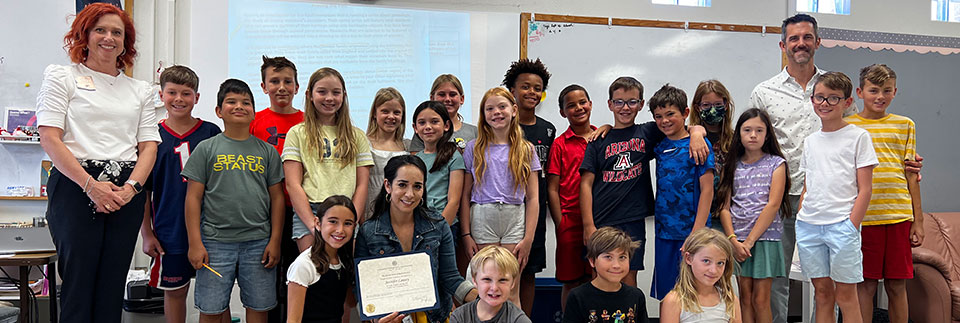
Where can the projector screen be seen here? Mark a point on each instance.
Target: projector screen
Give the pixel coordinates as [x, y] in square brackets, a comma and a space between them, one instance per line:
[371, 46]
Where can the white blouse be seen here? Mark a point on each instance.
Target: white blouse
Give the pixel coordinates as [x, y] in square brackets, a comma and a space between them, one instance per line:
[103, 117]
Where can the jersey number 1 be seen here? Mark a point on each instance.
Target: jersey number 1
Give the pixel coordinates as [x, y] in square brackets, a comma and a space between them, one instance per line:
[183, 150]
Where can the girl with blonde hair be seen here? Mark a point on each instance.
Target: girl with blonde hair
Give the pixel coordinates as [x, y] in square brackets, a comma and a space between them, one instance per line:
[325, 155]
[704, 289]
[499, 204]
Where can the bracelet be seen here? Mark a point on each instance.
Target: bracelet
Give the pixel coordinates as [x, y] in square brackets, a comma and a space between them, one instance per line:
[731, 236]
[465, 234]
[86, 183]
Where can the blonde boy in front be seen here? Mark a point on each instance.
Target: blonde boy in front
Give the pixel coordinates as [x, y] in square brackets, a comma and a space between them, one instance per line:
[838, 161]
[494, 270]
[894, 221]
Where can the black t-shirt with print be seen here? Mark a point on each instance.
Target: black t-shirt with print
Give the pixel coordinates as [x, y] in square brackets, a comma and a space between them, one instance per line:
[620, 162]
[588, 304]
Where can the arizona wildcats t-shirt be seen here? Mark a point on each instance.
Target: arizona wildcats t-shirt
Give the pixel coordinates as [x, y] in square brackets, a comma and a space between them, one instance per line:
[620, 163]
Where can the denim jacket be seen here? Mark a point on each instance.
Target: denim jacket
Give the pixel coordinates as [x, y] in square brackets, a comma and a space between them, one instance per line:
[376, 237]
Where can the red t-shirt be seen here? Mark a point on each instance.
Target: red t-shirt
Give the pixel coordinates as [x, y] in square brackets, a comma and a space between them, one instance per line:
[272, 127]
[566, 154]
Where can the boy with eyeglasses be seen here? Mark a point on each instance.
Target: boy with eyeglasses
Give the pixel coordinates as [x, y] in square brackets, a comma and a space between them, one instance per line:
[615, 187]
[838, 161]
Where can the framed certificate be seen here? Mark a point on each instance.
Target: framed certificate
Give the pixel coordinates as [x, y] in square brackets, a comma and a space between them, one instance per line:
[396, 283]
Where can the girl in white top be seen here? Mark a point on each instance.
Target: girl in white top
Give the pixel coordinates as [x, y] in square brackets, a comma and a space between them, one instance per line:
[385, 131]
[318, 280]
[704, 291]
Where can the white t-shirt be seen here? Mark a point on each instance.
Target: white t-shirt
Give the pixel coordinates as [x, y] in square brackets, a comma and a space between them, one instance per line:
[830, 161]
[103, 117]
[304, 272]
[791, 113]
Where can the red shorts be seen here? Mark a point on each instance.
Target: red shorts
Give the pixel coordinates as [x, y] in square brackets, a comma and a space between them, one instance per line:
[886, 251]
[571, 265]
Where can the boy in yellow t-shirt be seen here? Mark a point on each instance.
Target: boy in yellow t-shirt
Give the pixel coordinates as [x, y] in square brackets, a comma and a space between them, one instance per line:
[894, 220]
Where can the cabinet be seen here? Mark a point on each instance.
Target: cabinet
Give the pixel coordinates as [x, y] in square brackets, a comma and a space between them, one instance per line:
[20, 164]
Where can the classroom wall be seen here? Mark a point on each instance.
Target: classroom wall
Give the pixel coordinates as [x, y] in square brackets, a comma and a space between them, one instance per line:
[898, 16]
[893, 16]
[761, 11]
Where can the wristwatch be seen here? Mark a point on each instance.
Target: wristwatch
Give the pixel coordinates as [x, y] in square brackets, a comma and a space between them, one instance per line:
[136, 185]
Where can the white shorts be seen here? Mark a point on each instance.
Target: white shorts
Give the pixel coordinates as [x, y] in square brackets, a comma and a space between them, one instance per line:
[497, 223]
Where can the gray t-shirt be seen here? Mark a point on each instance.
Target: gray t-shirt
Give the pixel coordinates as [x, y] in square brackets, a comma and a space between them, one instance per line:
[380, 159]
[235, 174]
[466, 133]
[509, 313]
[438, 183]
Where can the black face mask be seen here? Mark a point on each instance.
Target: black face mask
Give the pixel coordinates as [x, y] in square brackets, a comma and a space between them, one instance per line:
[713, 115]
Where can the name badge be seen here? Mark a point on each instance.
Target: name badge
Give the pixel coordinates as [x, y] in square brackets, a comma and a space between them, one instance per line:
[85, 82]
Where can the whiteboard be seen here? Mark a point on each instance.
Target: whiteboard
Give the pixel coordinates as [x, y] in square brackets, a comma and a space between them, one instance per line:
[595, 55]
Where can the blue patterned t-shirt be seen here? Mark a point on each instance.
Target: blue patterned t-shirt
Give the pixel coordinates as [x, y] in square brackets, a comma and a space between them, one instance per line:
[678, 187]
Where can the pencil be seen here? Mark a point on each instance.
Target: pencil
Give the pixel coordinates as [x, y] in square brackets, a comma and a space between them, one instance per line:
[214, 271]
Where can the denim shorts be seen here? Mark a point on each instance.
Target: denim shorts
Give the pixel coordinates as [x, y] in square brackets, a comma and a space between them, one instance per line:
[238, 261]
[299, 229]
[497, 223]
[830, 250]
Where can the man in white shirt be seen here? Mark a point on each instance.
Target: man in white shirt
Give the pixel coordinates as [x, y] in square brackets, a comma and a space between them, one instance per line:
[786, 98]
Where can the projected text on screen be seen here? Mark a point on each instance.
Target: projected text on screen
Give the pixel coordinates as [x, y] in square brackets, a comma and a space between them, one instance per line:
[371, 47]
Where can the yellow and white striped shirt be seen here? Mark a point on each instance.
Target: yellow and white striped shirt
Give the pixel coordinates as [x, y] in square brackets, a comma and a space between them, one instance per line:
[894, 139]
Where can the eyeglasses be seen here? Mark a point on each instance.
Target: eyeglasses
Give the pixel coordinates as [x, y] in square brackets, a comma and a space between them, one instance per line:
[832, 100]
[631, 103]
[718, 105]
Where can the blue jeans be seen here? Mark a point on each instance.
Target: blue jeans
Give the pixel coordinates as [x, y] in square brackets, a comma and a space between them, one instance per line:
[240, 261]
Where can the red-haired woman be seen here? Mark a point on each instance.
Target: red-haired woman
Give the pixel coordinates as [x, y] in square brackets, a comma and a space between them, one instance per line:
[98, 127]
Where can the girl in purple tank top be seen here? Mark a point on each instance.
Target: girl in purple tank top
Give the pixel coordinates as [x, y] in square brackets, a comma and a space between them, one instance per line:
[753, 188]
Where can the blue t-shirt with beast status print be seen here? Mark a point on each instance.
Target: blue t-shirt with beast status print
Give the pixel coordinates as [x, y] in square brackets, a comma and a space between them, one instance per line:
[678, 187]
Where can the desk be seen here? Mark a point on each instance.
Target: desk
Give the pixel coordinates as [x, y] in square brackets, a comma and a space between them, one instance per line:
[25, 261]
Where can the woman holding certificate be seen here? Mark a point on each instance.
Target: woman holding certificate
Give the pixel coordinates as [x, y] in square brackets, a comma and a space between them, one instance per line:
[401, 223]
